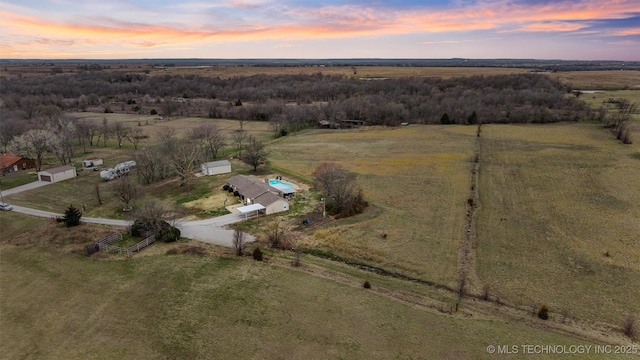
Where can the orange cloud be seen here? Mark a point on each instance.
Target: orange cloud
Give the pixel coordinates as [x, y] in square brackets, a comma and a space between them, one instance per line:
[38, 33]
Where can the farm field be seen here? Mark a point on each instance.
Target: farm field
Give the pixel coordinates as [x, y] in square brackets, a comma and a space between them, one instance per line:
[409, 173]
[558, 219]
[198, 306]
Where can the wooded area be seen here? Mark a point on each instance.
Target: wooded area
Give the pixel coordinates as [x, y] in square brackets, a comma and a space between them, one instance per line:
[292, 102]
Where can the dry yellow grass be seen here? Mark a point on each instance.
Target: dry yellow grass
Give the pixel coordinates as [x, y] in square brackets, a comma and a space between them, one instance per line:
[181, 125]
[418, 179]
[58, 305]
[554, 201]
[600, 80]
[361, 71]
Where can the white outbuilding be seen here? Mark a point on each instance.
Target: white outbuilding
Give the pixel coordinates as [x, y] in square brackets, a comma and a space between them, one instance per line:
[57, 174]
[216, 167]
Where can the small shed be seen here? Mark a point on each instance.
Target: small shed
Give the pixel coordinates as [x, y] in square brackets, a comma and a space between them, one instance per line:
[57, 174]
[216, 167]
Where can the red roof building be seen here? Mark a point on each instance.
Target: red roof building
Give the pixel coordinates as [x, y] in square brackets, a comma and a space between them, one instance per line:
[11, 162]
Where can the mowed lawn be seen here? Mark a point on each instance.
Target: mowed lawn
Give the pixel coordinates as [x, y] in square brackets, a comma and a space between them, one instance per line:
[559, 219]
[417, 179]
[56, 305]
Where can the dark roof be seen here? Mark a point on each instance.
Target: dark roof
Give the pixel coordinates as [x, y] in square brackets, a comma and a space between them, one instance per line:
[58, 169]
[267, 199]
[254, 189]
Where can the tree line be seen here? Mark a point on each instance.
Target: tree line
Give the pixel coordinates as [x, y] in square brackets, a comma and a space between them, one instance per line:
[293, 101]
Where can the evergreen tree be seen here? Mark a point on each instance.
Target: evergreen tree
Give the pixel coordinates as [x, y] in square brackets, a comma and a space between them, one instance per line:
[72, 216]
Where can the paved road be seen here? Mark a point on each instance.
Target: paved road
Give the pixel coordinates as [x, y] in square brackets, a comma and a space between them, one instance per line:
[206, 230]
[25, 187]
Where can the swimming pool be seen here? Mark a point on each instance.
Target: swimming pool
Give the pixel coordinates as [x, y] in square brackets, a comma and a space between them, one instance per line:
[278, 182]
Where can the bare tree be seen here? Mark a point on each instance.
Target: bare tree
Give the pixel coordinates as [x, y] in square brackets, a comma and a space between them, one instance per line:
[136, 135]
[33, 143]
[89, 130]
[239, 139]
[10, 127]
[255, 153]
[211, 138]
[184, 158]
[166, 133]
[105, 131]
[239, 241]
[147, 161]
[276, 231]
[126, 189]
[62, 129]
[342, 193]
[121, 132]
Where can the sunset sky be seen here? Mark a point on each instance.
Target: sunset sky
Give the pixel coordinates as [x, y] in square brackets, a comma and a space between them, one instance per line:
[482, 29]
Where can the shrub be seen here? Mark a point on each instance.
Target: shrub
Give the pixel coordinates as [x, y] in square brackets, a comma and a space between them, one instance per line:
[257, 254]
[72, 216]
[238, 103]
[162, 230]
[236, 193]
[367, 284]
[543, 313]
[153, 112]
[225, 187]
[629, 327]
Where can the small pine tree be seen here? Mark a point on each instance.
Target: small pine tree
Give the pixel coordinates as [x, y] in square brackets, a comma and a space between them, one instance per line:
[238, 103]
[543, 313]
[153, 112]
[257, 254]
[72, 216]
[445, 120]
[367, 284]
[473, 118]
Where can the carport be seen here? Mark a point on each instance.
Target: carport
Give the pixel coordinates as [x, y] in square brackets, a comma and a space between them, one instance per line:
[246, 210]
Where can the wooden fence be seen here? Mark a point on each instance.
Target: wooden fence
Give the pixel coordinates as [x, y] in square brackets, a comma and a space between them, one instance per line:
[105, 244]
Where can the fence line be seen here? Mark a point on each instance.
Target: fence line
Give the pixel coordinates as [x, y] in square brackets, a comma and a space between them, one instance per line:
[110, 239]
[105, 244]
[141, 245]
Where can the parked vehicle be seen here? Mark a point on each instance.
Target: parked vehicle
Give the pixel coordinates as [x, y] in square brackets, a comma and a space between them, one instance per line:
[118, 170]
[5, 207]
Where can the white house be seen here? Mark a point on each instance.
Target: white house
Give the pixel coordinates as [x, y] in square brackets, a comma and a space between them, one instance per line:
[57, 174]
[216, 167]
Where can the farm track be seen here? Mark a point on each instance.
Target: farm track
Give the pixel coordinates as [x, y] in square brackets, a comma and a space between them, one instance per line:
[469, 281]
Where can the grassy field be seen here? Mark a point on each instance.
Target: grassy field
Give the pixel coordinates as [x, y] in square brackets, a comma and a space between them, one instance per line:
[600, 80]
[181, 125]
[60, 305]
[558, 219]
[417, 172]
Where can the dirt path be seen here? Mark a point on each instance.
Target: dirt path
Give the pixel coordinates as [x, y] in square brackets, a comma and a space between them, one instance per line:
[469, 282]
